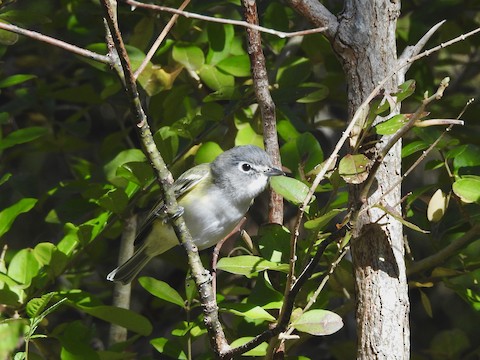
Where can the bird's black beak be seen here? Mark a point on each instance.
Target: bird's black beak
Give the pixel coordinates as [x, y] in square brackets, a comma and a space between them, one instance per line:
[274, 172]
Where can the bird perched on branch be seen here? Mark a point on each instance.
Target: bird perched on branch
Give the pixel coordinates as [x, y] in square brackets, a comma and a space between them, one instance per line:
[213, 197]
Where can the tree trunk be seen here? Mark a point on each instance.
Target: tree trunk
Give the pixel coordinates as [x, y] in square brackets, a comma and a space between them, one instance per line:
[363, 37]
[366, 45]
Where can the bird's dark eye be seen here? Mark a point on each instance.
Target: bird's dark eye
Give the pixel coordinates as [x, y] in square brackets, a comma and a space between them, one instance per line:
[246, 167]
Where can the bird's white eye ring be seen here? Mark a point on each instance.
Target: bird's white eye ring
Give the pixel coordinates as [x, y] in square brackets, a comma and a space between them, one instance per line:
[246, 167]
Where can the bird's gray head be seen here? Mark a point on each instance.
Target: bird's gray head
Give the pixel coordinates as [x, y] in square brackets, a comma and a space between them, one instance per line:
[244, 169]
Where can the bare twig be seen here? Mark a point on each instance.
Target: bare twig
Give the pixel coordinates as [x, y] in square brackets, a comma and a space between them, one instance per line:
[201, 276]
[265, 103]
[55, 42]
[447, 252]
[159, 40]
[414, 50]
[317, 14]
[187, 14]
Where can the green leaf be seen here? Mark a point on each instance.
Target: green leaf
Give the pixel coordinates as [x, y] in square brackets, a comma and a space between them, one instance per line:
[399, 217]
[322, 221]
[137, 172]
[318, 322]
[316, 95]
[7, 37]
[15, 80]
[168, 348]
[392, 125]
[216, 79]
[23, 267]
[413, 147]
[353, 168]
[36, 305]
[287, 131]
[162, 290]
[294, 72]
[291, 189]
[468, 189]
[426, 303]
[405, 90]
[123, 317]
[301, 154]
[189, 56]
[260, 350]
[207, 152]
[246, 135]
[248, 265]
[22, 136]
[467, 157]
[114, 200]
[220, 38]
[249, 311]
[8, 215]
[238, 66]
[123, 157]
[5, 178]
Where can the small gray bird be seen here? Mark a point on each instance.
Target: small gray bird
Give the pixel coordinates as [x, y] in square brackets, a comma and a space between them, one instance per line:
[214, 198]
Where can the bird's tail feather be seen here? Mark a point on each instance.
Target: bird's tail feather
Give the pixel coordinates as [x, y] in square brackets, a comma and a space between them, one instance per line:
[126, 272]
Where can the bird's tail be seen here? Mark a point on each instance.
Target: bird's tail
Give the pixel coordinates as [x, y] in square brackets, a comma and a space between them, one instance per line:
[126, 272]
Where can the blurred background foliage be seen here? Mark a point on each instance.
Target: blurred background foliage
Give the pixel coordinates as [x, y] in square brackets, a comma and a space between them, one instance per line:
[71, 171]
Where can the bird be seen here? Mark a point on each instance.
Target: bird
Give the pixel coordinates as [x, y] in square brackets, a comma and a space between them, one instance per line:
[213, 198]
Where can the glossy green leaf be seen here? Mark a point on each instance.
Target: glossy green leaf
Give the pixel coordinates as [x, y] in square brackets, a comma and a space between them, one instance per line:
[353, 168]
[220, 38]
[216, 79]
[168, 348]
[314, 96]
[301, 154]
[260, 350]
[162, 290]
[123, 317]
[138, 172]
[291, 189]
[189, 56]
[23, 267]
[247, 136]
[405, 90]
[248, 265]
[294, 72]
[238, 66]
[287, 131]
[322, 221]
[469, 156]
[36, 305]
[15, 80]
[5, 178]
[249, 311]
[392, 125]
[318, 322]
[8, 215]
[414, 147]
[468, 189]
[123, 157]
[22, 136]
[207, 152]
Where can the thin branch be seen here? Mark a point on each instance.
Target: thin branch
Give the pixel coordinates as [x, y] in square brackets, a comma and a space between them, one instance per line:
[441, 46]
[201, 276]
[447, 252]
[56, 42]
[398, 135]
[265, 103]
[159, 40]
[282, 34]
[317, 14]
[414, 50]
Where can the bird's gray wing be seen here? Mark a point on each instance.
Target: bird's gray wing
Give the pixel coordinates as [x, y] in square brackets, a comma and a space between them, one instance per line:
[181, 186]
